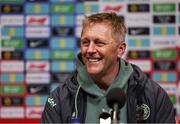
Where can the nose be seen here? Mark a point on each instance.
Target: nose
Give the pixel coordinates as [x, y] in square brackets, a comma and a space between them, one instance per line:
[91, 48]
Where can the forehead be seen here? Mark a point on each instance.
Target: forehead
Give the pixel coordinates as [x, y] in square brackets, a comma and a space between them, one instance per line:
[97, 28]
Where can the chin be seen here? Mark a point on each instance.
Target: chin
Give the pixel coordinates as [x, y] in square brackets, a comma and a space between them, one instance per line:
[93, 71]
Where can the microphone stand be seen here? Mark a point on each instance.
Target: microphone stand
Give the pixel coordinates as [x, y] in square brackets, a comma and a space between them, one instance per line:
[115, 114]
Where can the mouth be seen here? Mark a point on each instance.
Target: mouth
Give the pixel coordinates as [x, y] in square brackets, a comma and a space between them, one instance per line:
[94, 59]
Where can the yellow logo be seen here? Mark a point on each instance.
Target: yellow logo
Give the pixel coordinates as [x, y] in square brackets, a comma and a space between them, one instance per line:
[7, 8]
[7, 101]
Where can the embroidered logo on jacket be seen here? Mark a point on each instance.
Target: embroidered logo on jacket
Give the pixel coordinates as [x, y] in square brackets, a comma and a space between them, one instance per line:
[51, 102]
[143, 112]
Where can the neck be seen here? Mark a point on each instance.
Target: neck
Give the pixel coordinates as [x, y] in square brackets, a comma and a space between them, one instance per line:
[106, 80]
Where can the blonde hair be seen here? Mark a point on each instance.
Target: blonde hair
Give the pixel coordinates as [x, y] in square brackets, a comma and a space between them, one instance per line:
[112, 19]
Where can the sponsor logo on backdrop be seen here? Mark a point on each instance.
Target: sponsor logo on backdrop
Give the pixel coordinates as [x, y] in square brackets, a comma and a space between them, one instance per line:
[87, 8]
[37, 32]
[62, 20]
[135, 54]
[164, 77]
[12, 89]
[78, 31]
[34, 112]
[91, 8]
[37, 8]
[12, 32]
[12, 112]
[36, 100]
[37, 78]
[63, 43]
[37, 43]
[138, 31]
[12, 20]
[161, 42]
[165, 65]
[164, 7]
[39, 20]
[13, 78]
[138, 20]
[12, 66]
[161, 19]
[13, 43]
[62, 66]
[63, 8]
[164, 30]
[37, 54]
[12, 101]
[7, 55]
[169, 87]
[37, 66]
[173, 99]
[79, 20]
[12, 8]
[138, 8]
[38, 89]
[113, 7]
[63, 31]
[138, 43]
[63, 54]
[145, 65]
[59, 77]
[164, 54]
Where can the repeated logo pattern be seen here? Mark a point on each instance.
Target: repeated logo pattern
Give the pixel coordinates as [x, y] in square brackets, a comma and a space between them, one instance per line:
[39, 41]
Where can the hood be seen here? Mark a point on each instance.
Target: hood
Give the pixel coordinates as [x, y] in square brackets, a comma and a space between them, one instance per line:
[137, 83]
[138, 76]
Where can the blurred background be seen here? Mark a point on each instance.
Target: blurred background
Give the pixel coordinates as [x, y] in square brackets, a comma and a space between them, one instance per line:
[39, 41]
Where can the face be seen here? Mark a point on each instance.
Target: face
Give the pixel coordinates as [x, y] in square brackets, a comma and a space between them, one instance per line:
[99, 50]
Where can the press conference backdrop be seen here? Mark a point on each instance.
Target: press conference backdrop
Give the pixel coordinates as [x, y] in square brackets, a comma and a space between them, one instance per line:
[40, 40]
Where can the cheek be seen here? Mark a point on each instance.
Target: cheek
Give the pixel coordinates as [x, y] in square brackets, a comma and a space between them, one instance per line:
[83, 50]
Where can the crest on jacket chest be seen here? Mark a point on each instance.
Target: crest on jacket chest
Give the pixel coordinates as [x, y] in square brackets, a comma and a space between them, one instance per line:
[143, 112]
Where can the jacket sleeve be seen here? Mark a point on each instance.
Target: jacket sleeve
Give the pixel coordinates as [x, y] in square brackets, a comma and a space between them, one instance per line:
[51, 112]
[164, 108]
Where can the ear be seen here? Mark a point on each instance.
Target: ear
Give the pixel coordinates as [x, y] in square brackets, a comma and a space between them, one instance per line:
[121, 49]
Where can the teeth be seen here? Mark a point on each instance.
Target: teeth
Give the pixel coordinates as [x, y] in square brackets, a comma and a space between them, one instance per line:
[93, 60]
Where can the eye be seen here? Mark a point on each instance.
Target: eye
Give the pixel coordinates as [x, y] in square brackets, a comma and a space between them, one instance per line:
[100, 43]
[85, 42]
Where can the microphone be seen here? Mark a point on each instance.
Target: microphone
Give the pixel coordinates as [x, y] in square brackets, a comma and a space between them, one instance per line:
[116, 99]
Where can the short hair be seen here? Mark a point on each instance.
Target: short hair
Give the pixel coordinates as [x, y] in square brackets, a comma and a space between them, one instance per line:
[112, 19]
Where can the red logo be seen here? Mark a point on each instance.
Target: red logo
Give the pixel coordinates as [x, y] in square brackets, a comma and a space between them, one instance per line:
[37, 20]
[40, 67]
[113, 8]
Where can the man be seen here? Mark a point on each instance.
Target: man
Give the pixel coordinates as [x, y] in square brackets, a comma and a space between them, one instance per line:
[82, 97]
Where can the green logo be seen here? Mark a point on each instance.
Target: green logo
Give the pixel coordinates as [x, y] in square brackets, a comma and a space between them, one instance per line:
[164, 7]
[63, 8]
[12, 89]
[164, 54]
[63, 54]
[13, 43]
[173, 99]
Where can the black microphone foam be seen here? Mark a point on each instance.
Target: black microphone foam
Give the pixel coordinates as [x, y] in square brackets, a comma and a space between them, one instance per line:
[116, 95]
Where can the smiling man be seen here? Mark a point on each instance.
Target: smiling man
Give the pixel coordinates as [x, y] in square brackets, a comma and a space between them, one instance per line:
[100, 68]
